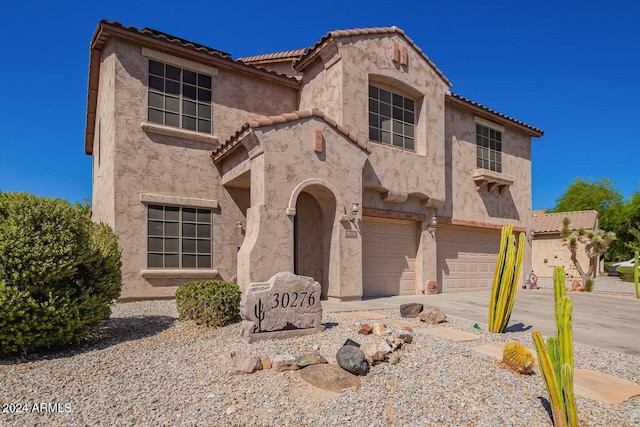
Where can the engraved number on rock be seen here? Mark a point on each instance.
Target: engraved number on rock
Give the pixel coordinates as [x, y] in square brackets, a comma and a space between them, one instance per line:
[283, 300]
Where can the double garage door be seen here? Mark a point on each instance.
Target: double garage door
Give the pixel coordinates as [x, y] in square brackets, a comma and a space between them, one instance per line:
[466, 258]
[389, 257]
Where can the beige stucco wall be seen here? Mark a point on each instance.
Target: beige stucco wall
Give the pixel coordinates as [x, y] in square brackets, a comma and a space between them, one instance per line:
[288, 164]
[103, 188]
[550, 247]
[464, 201]
[436, 178]
[149, 163]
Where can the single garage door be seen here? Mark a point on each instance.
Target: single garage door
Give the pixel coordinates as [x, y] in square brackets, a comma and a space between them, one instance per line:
[389, 250]
[466, 258]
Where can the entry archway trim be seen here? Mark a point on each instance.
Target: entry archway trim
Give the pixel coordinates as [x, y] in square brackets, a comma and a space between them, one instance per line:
[291, 207]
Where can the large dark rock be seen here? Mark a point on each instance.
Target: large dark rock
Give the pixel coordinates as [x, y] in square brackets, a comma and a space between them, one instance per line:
[329, 377]
[411, 309]
[352, 359]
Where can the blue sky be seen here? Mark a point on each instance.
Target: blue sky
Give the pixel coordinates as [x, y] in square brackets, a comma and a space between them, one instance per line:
[571, 68]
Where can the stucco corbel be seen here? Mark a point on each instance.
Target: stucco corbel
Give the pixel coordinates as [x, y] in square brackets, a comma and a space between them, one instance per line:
[394, 196]
[432, 203]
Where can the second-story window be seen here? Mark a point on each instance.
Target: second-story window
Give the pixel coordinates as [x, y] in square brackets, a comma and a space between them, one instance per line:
[489, 151]
[179, 97]
[391, 118]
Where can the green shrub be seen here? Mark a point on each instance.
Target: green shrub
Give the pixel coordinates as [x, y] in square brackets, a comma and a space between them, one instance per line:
[625, 273]
[60, 273]
[209, 302]
[588, 286]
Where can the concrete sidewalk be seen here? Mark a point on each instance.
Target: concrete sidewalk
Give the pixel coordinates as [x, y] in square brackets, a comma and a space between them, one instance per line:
[598, 320]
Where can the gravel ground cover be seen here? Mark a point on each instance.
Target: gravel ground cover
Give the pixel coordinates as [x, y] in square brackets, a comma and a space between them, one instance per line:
[144, 368]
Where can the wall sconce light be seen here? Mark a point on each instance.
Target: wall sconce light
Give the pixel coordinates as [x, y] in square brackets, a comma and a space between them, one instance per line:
[239, 227]
[531, 235]
[433, 225]
[350, 214]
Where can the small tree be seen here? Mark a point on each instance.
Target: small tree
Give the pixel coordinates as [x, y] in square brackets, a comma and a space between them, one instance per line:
[595, 244]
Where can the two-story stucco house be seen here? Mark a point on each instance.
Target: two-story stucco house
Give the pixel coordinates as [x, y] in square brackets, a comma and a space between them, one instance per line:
[350, 161]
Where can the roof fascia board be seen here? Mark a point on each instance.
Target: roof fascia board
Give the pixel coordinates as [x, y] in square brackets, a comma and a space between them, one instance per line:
[492, 116]
[187, 53]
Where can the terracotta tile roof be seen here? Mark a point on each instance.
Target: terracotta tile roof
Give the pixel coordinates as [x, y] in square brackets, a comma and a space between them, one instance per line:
[287, 54]
[234, 140]
[536, 131]
[177, 41]
[552, 222]
[363, 32]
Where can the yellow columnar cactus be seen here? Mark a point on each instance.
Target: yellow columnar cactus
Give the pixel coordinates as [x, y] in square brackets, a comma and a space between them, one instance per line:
[556, 358]
[505, 280]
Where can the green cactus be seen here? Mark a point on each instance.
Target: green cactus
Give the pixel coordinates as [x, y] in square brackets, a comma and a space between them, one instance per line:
[556, 358]
[505, 280]
[636, 276]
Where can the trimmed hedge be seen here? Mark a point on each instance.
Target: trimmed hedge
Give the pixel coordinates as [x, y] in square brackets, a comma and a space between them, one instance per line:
[625, 273]
[209, 302]
[59, 273]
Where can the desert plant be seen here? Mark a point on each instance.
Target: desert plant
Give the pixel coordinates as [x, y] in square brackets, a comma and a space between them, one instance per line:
[60, 273]
[209, 302]
[595, 244]
[505, 280]
[518, 358]
[636, 276]
[556, 358]
[588, 284]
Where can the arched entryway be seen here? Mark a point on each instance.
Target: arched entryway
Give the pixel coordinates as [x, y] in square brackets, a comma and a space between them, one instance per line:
[314, 233]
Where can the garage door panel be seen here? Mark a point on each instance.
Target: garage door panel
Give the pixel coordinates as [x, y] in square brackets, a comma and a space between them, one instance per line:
[389, 251]
[466, 258]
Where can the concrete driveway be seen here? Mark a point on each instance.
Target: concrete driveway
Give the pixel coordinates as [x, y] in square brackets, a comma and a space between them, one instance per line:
[598, 320]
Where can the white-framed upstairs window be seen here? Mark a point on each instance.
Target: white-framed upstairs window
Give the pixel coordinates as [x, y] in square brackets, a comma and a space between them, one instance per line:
[178, 237]
[489, 148]
[391, 118]
[178, 97]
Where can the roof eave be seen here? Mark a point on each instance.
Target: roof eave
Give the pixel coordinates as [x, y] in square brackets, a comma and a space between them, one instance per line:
[106, 30]
[527, 129]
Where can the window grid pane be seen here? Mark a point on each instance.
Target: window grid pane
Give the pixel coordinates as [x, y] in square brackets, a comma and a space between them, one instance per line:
[178, 237]
[489, 151]
[168, 91]
[391, 118]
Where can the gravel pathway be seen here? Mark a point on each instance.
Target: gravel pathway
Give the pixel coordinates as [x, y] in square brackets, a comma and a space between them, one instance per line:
[144, 368]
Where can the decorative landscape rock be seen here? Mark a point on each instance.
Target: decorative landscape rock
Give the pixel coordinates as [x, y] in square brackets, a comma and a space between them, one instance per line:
[411, 309]
[309, 358]
[351, 342]
[287, 305]
[379, 329]
[376, 358]
[329, 377]
[433, 316]
[266, 363]
[246, 362]
[284, 365]
[365, 330]
[407, 337]
[352, 359]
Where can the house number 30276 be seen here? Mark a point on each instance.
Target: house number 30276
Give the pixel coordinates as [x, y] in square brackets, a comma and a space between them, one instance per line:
[295, 299]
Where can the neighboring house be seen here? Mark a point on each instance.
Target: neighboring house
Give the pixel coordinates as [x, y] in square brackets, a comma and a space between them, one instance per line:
[548, 248]
[350, 162]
